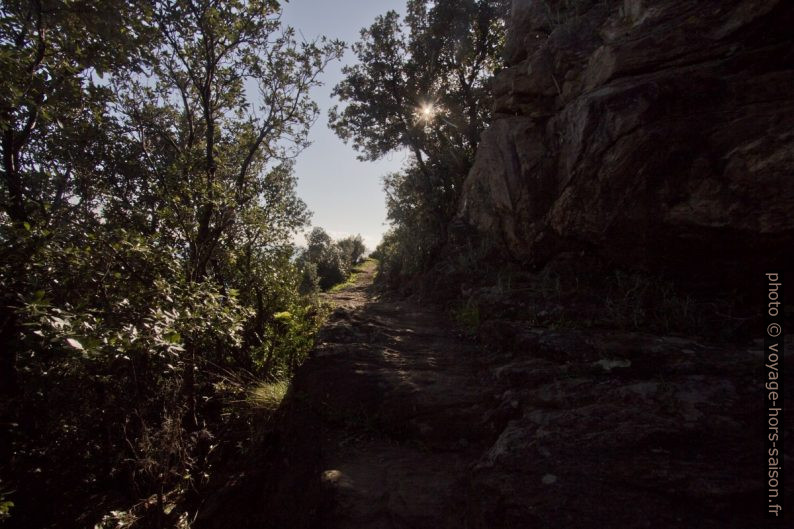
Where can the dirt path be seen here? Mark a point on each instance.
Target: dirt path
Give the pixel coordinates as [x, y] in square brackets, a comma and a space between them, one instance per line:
[402, 395]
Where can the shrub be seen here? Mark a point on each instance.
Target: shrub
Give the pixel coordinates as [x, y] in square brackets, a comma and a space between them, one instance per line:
[310, 279]
[329, 262]
[353, 248]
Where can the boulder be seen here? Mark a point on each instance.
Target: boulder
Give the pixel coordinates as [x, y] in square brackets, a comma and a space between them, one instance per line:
[651, 133]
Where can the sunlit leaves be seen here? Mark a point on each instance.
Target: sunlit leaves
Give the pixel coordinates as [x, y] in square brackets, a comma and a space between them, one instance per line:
[75, 344]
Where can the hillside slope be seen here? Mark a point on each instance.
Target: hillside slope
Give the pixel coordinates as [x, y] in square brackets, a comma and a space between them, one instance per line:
[395, 421]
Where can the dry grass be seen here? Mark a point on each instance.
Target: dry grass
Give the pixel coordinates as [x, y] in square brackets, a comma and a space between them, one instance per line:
[267, 396]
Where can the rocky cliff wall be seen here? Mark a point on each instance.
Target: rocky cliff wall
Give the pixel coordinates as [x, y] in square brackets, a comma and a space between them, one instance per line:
[650, 133]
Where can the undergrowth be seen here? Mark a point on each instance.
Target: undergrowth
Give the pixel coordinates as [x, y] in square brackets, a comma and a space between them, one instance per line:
[577, 292]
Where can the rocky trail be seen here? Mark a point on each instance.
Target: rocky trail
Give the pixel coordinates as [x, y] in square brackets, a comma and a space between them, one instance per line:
[398, 421]
[403, 395]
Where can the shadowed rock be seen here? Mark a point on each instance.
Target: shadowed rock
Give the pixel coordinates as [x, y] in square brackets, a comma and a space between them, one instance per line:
[654, 134]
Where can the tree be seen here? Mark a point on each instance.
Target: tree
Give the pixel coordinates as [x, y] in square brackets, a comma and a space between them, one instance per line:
[423, 85]
[332, 265]
[310, 280]
[353, 248]
[147, 205]
[218, 161]
[50, 108]
[201, 137]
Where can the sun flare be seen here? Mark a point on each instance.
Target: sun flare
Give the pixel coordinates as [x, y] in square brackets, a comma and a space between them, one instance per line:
[426, 113]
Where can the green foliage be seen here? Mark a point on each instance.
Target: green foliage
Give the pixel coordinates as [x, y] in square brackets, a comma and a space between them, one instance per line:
[310, 280]
[287, 334]
[6, 505]
[422, 85]
[147, 207]
[419, 221]
[352, 248]
[332, 265]
[399, 255]
[442, 55]
[326, 262]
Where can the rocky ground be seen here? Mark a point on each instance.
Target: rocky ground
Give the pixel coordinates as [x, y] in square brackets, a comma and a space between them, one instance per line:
[398, 421]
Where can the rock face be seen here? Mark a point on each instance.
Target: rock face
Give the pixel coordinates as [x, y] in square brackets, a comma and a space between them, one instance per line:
[652, 133]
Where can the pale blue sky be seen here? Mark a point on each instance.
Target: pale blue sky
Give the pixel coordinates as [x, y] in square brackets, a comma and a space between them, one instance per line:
[345, 195]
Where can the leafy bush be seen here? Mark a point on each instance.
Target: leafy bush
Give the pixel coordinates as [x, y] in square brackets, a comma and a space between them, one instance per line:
[326, 262]
[332, 265]
[5, 504]
[145, 245]
[310, 279]
[400, 255]
[352, 248]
